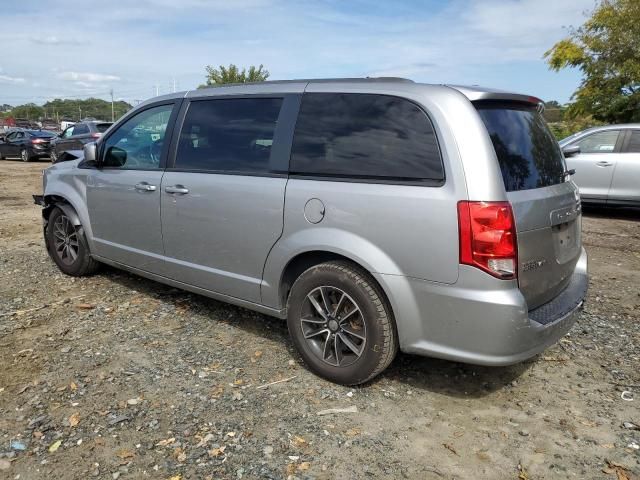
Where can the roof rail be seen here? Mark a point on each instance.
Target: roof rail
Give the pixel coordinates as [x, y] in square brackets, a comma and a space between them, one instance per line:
[319, 80]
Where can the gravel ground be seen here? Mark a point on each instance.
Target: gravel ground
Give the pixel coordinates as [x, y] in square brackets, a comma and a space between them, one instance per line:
[115, 376]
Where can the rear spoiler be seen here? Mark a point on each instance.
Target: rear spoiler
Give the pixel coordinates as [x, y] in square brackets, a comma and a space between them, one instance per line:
[480, 94]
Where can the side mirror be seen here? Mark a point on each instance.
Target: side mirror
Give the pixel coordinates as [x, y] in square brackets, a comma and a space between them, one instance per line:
[571, 150]
[90, 153]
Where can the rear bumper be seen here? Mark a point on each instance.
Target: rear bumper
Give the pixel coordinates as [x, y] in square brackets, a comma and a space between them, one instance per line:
[478, 322]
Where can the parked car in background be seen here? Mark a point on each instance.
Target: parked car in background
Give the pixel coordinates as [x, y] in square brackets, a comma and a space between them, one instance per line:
[76, 136]
[26, 144]
[372, 214]
[606, 161]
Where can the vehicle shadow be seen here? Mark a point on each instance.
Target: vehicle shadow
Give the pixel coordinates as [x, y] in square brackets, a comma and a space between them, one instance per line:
[616, 213]
[411, 371]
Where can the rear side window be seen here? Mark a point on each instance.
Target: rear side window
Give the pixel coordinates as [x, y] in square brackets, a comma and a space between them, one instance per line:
[634, 142]
[228, 135]
[80, 129]
[102, 127]
[528, 153]
[364, 136]
[601, 142]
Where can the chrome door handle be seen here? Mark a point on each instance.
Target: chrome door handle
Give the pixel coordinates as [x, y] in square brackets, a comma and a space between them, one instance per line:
[604, 164]
[145, 187]
[179, 189]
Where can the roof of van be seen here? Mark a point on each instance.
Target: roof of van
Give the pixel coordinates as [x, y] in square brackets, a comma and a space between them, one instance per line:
[472, 92]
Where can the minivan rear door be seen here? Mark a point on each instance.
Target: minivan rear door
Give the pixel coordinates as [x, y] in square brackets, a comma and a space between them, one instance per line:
[545, 202]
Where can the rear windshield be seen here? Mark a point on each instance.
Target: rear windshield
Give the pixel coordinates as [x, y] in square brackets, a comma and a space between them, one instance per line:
[527, 151]
[102, 127]
[41, 133]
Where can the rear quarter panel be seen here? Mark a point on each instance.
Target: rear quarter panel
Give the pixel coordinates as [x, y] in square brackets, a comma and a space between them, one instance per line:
[404, 230]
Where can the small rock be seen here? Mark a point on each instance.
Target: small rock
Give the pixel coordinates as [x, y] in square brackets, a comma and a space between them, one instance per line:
[115, 475]
[65, 349]
[268, 450]
[524, 433]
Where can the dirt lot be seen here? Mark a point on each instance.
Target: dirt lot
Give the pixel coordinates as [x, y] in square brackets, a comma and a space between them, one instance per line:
[115, 376]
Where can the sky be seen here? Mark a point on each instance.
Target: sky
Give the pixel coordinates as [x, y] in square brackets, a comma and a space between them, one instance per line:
[71, 49]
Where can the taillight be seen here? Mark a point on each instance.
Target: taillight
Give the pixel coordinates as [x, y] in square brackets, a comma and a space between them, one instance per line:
[37, 140]
[488, 237]
[96, 135]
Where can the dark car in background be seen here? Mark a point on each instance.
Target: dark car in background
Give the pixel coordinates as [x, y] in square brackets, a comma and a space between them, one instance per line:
[26, 144]
[76, 136]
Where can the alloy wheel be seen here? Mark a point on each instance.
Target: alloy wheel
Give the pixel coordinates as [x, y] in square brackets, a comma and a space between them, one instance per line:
[65, 240]
[333, 326]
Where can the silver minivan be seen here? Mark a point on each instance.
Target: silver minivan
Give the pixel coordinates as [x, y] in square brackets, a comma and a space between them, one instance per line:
[374, 215]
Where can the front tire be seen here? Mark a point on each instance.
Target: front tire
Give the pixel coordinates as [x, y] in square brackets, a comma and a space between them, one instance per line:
[341, 323]
[68, 246]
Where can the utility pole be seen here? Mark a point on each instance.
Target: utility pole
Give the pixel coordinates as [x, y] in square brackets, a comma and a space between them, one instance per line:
[80, 111]
[174, 85]
[157, 89]
[112, 113]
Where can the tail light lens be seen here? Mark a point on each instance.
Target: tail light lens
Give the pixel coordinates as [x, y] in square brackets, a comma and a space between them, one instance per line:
[488, 237]
[96, 135]
[35, 141]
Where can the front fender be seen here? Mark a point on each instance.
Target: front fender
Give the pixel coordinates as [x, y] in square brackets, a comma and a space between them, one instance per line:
[74, 205]
[319, 239]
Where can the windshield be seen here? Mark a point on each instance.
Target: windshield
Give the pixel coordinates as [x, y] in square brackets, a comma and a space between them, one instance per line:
[527, 151]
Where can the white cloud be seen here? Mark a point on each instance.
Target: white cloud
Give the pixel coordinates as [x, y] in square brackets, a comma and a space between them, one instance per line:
[150, 42]
[52, 40]
[8, 79]
[84, 77]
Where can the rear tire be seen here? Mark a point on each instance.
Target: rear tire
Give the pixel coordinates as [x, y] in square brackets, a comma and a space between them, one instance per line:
[68, 246]
[341, 323]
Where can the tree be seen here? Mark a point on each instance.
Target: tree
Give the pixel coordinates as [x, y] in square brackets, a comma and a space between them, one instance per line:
[553, 111]
[231, 74]
[607, 51]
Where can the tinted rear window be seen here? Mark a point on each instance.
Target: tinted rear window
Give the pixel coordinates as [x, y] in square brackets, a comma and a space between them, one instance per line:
[364, 136]
[80, 129]
[41, 134]
[102, 127]
[527, 151]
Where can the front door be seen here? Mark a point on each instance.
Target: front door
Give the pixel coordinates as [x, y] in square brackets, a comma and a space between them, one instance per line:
[595, 163]
[222, 201]
[123, 195]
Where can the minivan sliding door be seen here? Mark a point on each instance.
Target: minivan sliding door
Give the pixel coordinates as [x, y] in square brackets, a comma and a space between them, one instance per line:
[222, 200]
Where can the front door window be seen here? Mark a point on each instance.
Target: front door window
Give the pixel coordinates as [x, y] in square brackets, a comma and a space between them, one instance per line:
[138, 143]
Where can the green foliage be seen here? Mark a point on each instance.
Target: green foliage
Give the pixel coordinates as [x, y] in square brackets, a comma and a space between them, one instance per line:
[607, 51]
[30, 111]
[69, 109]
[91, 107]
[570, 126]
[231, 74]
[553, 111]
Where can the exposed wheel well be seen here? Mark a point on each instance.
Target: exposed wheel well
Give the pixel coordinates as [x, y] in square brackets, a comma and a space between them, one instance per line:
[50, 202]
[304, 261]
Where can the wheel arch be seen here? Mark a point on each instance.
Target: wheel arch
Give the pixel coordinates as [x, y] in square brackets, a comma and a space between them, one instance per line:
[72, 205]
[307, 259]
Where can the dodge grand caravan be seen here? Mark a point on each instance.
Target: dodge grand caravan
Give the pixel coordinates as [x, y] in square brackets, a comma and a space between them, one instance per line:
[372, 214]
